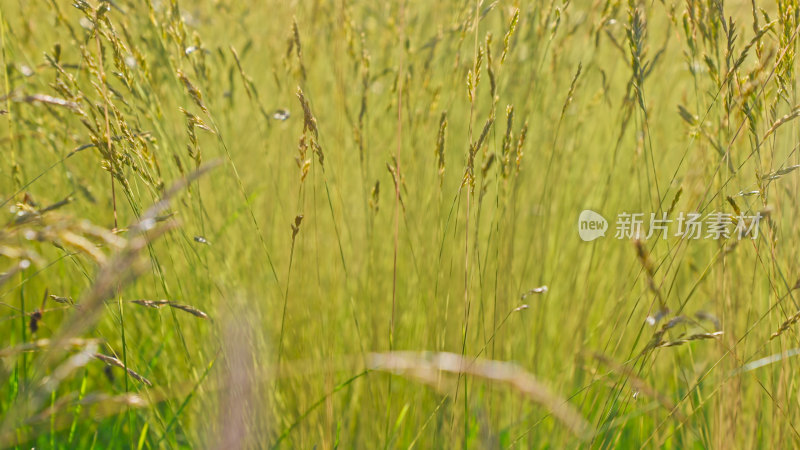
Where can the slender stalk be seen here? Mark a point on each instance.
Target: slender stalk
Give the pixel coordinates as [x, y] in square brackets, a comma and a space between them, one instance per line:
[397, 205]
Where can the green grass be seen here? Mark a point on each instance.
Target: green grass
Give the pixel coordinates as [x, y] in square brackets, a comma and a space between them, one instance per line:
[364, 272]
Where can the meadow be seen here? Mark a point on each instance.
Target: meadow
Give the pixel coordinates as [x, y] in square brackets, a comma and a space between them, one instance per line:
[339, 224]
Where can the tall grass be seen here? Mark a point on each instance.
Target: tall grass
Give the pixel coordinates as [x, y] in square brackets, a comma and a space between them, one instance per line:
[354, 224]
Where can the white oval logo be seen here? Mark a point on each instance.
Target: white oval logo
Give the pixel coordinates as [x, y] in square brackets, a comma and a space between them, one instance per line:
[591, 225]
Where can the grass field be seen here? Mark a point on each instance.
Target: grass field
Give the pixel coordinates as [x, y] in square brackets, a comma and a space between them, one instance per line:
[356, 224]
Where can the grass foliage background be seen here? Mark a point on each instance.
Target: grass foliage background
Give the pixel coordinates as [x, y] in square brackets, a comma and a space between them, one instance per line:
[343, 274]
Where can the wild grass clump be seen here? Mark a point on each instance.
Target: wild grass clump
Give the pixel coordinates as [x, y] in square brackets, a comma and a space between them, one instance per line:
[386, 252]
